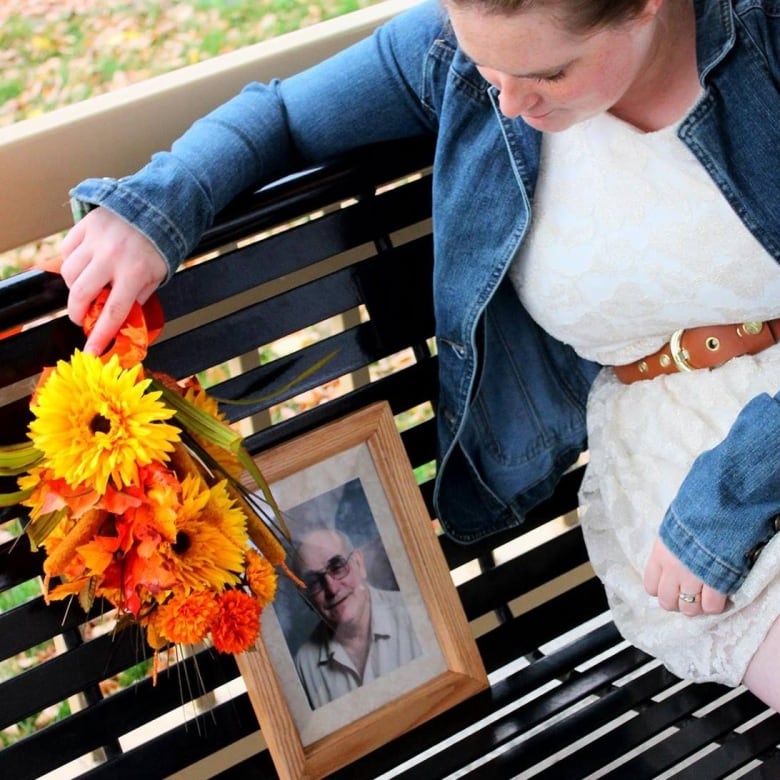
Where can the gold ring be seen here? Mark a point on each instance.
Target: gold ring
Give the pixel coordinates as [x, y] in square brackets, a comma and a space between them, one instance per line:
[689, 598]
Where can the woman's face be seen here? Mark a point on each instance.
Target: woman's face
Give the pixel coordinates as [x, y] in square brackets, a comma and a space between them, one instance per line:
[550, 77]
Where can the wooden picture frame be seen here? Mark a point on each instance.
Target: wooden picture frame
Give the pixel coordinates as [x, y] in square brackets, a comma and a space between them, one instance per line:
[359, 462]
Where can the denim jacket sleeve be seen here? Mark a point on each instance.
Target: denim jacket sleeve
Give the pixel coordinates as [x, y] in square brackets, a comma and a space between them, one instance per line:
[728, 506]
[369, 92]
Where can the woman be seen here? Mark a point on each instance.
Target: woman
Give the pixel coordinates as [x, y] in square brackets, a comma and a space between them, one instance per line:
[645, 133]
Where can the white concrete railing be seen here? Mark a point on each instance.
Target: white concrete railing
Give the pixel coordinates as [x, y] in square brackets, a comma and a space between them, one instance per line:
[114, 134]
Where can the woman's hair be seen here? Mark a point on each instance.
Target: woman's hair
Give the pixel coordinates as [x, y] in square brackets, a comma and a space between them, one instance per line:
[576, 16]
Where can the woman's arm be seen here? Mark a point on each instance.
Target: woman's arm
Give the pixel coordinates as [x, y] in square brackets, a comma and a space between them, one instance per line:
[728, 506]
[372, 91]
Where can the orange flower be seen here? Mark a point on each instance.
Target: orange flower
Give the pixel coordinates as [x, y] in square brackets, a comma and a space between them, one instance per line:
[98, 554]
[238, 622]
[261, 576]
[187, 619]
[122, 509]
[154, 637]
[161, 494]
[65, 589]
[50, 494]
[54, 540]
[139, 330]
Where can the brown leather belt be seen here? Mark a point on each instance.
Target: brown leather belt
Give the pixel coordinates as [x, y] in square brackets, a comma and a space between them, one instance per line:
[705, 347]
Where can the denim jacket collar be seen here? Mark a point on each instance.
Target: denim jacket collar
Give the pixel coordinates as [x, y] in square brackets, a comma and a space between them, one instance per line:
[715, 33]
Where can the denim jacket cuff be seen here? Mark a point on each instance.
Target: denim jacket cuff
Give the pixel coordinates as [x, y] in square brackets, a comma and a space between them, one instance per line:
[122, 201]
[728, 506]
[722, 575]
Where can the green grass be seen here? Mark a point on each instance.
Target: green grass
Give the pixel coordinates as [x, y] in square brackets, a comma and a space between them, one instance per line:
[32, 724]
[68, 53]
[15, 31]
[10, 90]
[135, 673]
[22, 593]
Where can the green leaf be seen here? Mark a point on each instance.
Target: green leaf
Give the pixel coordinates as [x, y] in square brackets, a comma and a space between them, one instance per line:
[43, 525]
[246, 461]
[18, 458]
[11, 499]
[198, 421]
[255, 399]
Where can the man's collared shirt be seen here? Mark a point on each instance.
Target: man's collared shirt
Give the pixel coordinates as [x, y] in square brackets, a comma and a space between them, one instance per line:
[325, 668]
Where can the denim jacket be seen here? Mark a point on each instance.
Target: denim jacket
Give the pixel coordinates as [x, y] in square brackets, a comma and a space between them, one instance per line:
[512, 405]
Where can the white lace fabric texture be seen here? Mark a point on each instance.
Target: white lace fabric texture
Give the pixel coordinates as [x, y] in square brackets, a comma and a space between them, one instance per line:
[631, 240]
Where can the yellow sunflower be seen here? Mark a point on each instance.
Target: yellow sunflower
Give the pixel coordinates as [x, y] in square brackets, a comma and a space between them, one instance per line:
[95, 422]
[208, 552]
[223, 513]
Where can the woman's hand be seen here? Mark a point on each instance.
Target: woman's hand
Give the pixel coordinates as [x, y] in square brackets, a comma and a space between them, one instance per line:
[102, 250]
[676, 587]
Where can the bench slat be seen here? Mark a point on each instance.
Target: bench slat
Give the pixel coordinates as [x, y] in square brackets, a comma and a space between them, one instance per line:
[239, 332]
[527, 632]
[693, 735]
[35, 622]
[174, 750]
[19, 564]
[403, 390]
[501, 694]
[112, 717]
[63, 676]
[737, 751]
[647, 723]
[533, 569]
[522, 720]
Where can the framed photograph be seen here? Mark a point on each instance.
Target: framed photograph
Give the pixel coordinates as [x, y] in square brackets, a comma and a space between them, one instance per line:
[377, 641]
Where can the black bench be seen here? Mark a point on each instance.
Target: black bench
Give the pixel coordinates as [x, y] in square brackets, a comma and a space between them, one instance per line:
[568, 697]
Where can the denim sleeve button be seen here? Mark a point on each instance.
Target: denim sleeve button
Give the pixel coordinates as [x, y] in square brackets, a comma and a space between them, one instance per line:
[753, 553]
[775, 522]
[450, 417]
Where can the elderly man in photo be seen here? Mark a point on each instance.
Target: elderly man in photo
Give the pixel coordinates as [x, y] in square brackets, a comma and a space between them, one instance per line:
[364, 632]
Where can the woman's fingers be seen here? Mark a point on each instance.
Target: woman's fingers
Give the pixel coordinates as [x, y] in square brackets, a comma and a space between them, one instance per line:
[114, 313]
[103, 250]
[85, 277]
[713, 602]
[688, 594]
[73, 238]
[678, 589]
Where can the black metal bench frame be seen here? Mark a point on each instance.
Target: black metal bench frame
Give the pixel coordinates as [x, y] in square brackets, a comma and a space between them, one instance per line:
[568, 697]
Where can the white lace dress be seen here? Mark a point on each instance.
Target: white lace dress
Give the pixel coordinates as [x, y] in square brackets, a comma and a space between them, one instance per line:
[630, 241]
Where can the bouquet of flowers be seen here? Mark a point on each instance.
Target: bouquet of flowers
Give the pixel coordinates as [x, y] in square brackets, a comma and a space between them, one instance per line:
[133, 485]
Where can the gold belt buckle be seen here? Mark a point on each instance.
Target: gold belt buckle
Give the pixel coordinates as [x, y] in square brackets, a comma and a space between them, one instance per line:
[679, 355]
